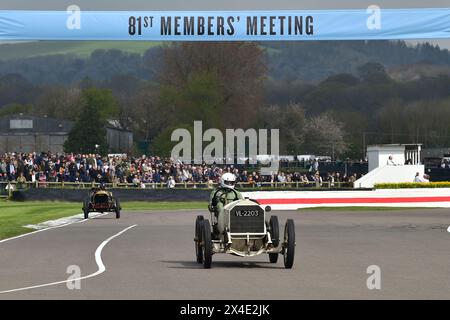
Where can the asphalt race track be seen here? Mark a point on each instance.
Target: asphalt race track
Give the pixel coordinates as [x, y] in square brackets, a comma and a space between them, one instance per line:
[155, 259]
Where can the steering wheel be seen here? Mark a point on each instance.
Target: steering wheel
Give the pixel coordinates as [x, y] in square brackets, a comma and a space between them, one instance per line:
[223, 196]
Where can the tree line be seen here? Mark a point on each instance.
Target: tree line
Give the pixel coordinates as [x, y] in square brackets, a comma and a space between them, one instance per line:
[233, 85]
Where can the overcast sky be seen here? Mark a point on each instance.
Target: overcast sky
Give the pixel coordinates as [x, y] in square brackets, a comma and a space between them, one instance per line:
[221, 5]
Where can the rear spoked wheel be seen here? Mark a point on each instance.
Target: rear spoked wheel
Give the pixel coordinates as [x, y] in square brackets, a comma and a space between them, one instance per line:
[198, 239]
[86, 208]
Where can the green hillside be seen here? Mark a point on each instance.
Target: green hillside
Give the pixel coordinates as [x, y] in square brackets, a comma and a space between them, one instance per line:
[66, 62]
[80, 48]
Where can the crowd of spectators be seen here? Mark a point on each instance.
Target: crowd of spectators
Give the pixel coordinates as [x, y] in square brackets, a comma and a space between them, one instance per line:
[141, 171]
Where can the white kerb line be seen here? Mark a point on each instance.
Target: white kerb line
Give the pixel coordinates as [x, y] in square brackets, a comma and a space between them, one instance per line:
[51, 228]
[98, 261]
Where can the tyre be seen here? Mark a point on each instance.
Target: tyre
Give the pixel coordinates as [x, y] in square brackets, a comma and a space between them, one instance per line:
[198, 239]
[275, 235]
[86, 208]
[289, 244]
[206, 244]
[117, 209]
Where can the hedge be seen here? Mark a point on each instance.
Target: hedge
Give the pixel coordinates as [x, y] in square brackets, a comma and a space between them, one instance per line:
[406, 185]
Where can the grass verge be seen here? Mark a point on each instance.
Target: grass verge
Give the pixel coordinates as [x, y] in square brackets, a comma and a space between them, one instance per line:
[14, 215]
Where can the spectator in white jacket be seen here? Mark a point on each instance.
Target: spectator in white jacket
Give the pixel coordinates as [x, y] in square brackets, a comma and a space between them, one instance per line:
[390, 161]
[417, 178]
[171, 183]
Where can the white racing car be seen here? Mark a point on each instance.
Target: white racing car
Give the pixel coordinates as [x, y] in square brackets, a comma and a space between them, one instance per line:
[244, 232]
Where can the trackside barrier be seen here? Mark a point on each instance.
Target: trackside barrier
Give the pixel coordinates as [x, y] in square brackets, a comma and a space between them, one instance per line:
[291, 200]
[124, 195]
[6, 187]
[278, 199]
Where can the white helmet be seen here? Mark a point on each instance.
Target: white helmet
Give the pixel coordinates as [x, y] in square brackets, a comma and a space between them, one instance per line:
[228, 180]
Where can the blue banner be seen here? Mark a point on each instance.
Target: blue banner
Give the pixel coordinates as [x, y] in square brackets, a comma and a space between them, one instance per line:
[368, 24]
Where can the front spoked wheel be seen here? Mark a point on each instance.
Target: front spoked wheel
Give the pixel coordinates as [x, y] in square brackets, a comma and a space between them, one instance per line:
[206, 244]
[275, 235]
[86, 209]
[289, 244]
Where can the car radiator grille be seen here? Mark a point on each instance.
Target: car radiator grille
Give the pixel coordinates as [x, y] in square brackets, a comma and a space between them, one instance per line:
[247, 219]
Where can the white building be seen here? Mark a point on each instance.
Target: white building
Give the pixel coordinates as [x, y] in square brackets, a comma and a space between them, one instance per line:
[392, 163]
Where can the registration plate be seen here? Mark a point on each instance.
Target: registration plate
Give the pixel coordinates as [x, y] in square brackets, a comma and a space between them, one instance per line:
[246, 213]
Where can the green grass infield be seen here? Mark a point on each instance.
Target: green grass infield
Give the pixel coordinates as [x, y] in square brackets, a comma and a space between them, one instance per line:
[15, 215]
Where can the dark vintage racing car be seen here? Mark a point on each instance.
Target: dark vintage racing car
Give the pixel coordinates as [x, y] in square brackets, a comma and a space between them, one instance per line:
[100, 200]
